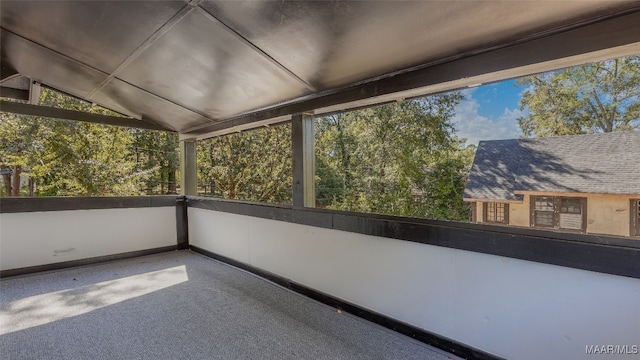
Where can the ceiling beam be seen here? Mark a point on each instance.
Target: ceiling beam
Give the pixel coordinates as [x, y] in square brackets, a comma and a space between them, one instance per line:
[11, 93]
[51, 112]
[600, 40]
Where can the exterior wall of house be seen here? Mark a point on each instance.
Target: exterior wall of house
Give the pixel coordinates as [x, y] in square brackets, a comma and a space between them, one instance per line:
[607, 214]
[479, 211]
[519, 213]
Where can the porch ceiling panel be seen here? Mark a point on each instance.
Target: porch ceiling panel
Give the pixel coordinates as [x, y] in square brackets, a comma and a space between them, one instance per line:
[128, 99]
[202, 65]
[17, 82]
[100, 34]
[188, 64]
[49, 67]
[335, 43]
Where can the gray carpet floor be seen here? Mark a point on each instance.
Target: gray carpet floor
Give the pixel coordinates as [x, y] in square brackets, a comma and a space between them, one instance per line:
[181, 305]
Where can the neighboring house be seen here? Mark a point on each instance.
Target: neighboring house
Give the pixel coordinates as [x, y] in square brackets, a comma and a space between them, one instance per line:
[580, 183]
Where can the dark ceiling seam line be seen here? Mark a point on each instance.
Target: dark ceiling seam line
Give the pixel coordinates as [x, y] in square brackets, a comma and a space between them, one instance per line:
[53, 51]
[81, 99]
[255, 48]
[212, 121]
[181, 14]
[57, 54]
[10, 77]
[106, 74]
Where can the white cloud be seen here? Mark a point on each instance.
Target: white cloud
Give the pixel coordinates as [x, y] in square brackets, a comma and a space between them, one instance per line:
[474, 127]
[468, 92]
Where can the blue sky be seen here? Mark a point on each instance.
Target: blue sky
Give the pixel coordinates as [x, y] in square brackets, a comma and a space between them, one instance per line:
[489, 112]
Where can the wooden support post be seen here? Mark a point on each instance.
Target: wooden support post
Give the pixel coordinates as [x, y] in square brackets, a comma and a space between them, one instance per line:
[188, 168]
[304, 160]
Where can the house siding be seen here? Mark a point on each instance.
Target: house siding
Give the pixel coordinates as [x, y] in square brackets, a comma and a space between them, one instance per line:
[519, 213]
[479, 211]
[609, 214]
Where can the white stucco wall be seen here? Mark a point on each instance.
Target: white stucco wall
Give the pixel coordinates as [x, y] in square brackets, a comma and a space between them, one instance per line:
[39, 238]
[609, 214]
[511, 308]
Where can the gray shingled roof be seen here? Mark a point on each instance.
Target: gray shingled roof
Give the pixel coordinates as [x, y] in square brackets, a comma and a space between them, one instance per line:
[596, 163]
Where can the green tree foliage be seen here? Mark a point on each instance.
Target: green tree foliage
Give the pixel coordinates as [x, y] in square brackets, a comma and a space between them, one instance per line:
[253, 165]
[397, 159]
[156, 159]
[394, 159]
[85, 159]
[68, 158]
[598, 97]
[20, 144]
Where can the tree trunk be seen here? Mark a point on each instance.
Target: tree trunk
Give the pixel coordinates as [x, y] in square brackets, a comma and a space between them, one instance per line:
[212, 163]
[32, 185]
[345, 156]
[232, 190]
[171, 180]
[163, 179]
[7, 184]
[17, 170]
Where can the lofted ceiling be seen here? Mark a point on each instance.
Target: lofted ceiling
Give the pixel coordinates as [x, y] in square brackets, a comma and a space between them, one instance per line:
[203, 67]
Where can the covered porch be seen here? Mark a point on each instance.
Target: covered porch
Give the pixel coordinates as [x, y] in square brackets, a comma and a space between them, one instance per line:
[193, 277]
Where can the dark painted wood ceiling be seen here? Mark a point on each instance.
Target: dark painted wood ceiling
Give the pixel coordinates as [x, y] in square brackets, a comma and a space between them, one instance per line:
[202, 66]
